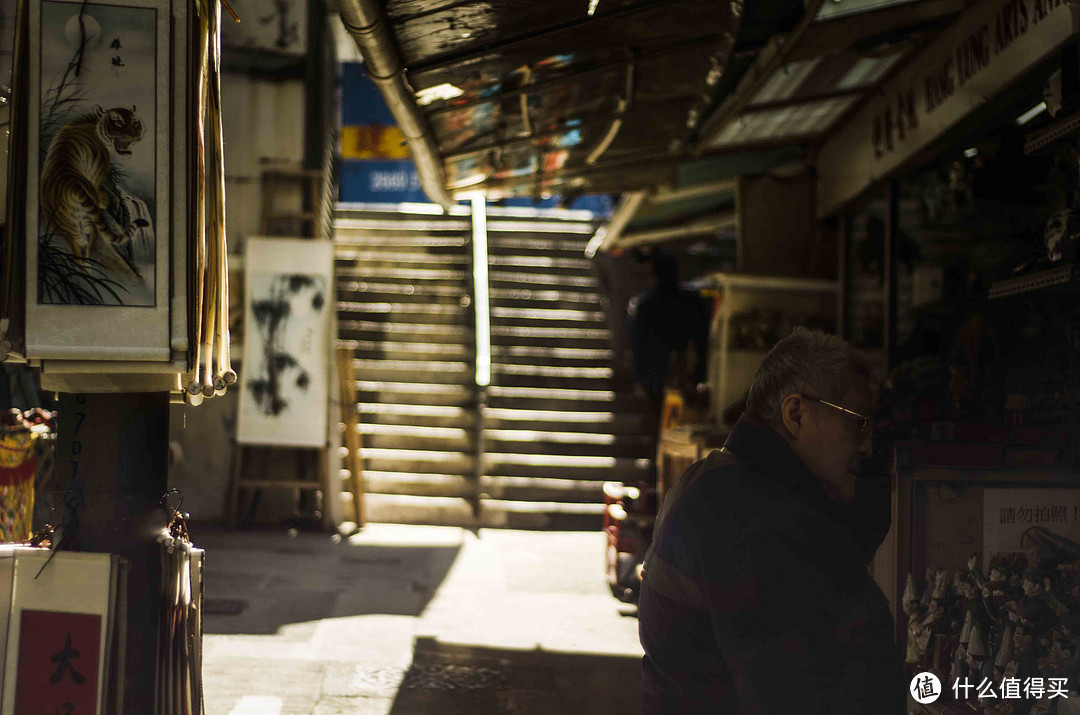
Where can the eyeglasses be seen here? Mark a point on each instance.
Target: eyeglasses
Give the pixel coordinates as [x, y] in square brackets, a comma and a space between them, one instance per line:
[863, 420]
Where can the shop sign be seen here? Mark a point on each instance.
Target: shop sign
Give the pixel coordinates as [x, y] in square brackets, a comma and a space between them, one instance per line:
[990, 46]
[375, 166]
[1009, 514]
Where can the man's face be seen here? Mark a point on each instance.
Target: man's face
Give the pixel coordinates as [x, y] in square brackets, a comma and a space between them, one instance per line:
[830, 443]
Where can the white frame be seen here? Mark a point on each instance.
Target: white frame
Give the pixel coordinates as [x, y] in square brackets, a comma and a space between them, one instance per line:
[86, 579]
[288, 255]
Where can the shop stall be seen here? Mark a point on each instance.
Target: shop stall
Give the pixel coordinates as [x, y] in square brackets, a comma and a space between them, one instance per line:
[954, 190]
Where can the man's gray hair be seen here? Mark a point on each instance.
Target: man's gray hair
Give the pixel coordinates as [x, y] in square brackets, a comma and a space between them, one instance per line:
[806, 362]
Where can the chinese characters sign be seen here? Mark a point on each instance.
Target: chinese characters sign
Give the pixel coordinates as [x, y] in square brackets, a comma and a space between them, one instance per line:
[58, 663]
[991, 45]
[1008, 513]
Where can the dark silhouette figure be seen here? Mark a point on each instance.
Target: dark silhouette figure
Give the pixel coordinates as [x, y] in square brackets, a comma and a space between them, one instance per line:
[668, 330]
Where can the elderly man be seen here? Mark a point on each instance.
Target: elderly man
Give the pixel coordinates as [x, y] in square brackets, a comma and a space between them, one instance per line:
[755, 595]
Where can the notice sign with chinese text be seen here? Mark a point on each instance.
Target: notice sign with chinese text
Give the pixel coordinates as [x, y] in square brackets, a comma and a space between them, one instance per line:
[58, 663]
[1008, 513]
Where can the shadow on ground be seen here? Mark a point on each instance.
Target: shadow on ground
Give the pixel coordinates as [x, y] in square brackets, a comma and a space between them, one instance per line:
[256, 583]
[465, 680]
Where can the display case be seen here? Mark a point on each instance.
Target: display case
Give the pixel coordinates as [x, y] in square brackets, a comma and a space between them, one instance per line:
[982, 563]
[752, 313]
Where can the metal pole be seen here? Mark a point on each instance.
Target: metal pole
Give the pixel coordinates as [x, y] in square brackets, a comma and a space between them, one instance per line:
[482, 311]
[843, 241]
[892, 228]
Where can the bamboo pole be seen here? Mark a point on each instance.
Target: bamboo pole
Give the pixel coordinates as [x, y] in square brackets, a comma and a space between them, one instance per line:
[196, 385]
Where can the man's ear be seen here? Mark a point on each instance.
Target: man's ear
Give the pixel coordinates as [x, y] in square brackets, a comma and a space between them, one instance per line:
[792, 413]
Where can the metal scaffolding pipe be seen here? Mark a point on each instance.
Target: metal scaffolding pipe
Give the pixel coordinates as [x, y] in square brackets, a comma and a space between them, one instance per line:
[366, 22]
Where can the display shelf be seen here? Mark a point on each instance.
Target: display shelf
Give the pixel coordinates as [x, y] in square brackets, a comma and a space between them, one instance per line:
[1058, 130]
[731, 369]
[1039, 280]
[769, 283]
[998, 476]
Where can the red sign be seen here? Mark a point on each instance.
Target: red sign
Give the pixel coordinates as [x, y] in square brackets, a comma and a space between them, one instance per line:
[58, 663]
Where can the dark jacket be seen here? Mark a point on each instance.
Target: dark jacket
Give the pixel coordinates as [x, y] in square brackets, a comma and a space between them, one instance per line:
[756, 596]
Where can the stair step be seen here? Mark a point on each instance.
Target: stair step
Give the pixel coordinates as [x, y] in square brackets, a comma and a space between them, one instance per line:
[386, 274]
[511, 333]
[572, 382]
[524, 353]
[424, 485]
[401, 242]
[416, 415]
[399, 226]
[545, 315]
[551, 371]
[462, 443]
[409, 509]
[540, 228]
[500, 278]
[347, 293]
[403, 259]
[399, 350]
[528, 362]
[559, 420]
[424, 461]
[402, 308]
[555, 248]
[560, 266]
[534, 489]
[406, 393]
[620, 450]
[523, 297]
[557, 402]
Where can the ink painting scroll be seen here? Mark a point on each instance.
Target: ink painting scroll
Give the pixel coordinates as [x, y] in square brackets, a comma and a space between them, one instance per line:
[98, 211]
[284, 376]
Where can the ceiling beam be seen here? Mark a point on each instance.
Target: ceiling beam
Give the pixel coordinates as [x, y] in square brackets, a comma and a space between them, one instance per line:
[808, 99]
[773, 57]
[667, 194]
[655, 162]
[604, 120]
[724, 220]
[833, 36]
[574, 77]
[514, 43]
[608, 234]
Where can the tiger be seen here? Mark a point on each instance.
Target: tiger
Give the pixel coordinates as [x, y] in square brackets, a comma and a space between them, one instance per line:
[76, 189]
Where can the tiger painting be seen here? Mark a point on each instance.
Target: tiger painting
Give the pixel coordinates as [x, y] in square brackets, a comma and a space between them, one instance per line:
[80, 198]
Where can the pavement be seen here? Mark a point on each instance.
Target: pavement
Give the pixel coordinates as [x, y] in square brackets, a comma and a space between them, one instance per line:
[403, 619]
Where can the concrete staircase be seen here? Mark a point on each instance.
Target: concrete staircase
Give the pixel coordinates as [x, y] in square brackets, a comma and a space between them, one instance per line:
[534, 448]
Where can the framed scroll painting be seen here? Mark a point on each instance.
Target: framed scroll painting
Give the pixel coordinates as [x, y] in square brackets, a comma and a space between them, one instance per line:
[99, 180]
[284, 376]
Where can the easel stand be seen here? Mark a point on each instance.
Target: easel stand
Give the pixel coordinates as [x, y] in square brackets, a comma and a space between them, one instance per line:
[261, 459]
[264, 457]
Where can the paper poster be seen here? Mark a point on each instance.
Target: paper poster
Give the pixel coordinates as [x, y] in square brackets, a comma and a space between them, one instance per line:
[56, 633]
[1009, 513]
[98, 186]
[284, 375]
[58, 663]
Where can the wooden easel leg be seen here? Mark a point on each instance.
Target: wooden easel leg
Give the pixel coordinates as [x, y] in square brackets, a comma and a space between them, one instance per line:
[232, 496]
[326, 484]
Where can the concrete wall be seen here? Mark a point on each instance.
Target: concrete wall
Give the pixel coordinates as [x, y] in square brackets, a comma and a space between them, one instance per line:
[264, 129]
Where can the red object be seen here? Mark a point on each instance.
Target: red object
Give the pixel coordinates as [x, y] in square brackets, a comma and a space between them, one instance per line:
[58, 663]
